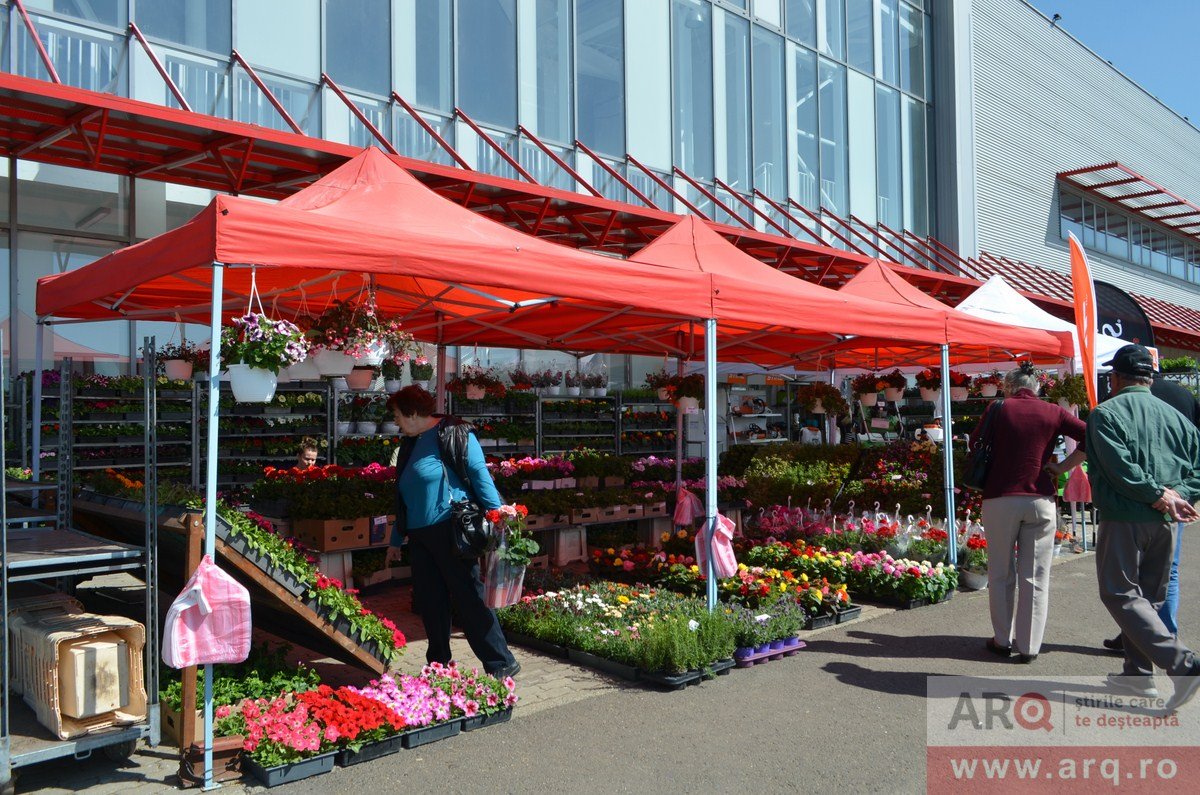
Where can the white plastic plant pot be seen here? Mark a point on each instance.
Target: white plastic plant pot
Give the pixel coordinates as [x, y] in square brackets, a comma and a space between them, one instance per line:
[959, 393]
[934, 434]
[389, 428]
[338, 382]
[423, 384]
[601, 391]
[868, 399]
[360, 378]
[366, 427]
[376, 352]
[1066, 404]
[334, 363]
[975, 580]
[988, 390]
[930, 395]
[893, 394]
[178, 369]
[392, 385]
[573, 391]
[688, 405]
[343, 428]
[305, 371]
[251, 384]
[284, 376]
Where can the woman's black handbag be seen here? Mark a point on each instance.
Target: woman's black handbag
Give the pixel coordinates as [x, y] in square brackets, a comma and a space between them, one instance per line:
[980, 460]
[469, 529]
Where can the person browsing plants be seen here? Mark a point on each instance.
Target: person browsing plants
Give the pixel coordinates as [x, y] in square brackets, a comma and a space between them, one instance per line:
[439, 462]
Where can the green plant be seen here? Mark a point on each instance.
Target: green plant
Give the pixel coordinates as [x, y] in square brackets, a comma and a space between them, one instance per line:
[808, 395]
[420, 368]
[516, 548]
[1071, 388]
[687, 386]
[659, 379]
[265, 673]
[258, 341]
[1177, 364]
[867, 383]
[184, 351]
[895, 379]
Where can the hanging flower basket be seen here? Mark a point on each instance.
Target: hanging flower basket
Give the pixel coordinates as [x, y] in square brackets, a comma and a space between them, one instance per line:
[988, 390]
[475, 392]
[868, 399]
[251, 384]
[893, 394]
[688, 405]
[373, 353]
[305, 370]
[959, 393]
[930, 395]
[178, 369]
[817, 407]
[360, 378]
[334, 363]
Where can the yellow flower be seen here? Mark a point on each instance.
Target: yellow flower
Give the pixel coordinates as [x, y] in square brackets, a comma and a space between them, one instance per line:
[666, 537]
[803, 578]
[623, 599]
[618, 562]
[612, 551]
[681, 534]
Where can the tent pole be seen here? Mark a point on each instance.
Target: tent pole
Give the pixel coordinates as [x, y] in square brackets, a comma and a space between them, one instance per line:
[710, 453]
[36, 455]
[678, 434]
[948, 458]
[441, 379]
[210, 489]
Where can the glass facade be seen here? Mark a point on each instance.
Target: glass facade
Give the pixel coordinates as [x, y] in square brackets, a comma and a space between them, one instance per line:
[1126, 237]
[820, 102]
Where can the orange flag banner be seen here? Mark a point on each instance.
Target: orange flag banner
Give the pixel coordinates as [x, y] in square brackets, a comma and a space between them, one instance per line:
[1085, 315]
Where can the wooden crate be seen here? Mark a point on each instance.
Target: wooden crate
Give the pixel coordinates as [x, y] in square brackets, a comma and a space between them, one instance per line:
[333, 535]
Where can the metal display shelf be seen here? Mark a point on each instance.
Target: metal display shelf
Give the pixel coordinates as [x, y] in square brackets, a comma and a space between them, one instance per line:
[38, 545]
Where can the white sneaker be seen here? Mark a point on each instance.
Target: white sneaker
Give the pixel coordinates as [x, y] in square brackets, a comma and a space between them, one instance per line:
[1142, 686]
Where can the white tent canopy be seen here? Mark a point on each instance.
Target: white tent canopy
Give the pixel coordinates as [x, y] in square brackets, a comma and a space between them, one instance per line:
[997, 300]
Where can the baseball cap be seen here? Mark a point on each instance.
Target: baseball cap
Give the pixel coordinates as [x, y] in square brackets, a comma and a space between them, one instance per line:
[1132, 360]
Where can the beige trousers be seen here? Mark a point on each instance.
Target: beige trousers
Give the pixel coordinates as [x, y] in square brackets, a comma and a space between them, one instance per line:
[1020, 537]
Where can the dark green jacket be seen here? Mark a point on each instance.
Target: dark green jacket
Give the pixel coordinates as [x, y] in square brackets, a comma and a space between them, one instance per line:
[1137, 445]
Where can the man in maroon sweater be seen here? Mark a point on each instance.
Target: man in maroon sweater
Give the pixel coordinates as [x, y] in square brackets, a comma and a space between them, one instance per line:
[1019, 511]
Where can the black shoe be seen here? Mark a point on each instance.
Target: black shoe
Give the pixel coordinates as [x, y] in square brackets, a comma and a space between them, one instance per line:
[997, 649]
[1028, 658]
[1116, 644]
[507, 671]
[1185, 687]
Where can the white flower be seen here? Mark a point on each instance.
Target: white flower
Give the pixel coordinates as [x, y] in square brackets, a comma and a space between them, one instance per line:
[693, 625]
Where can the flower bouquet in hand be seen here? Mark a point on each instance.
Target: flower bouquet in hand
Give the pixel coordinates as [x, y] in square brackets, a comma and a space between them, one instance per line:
[505, 571]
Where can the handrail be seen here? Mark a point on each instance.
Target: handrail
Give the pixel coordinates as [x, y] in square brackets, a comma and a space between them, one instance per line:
[431, 132]
[133, 28]
[612, 172]
[708, 195]
[665, 186]
[782, 211]
[37, 42]
[753, 207]
[497, 148]
[558, 161]
[275, 103]
[821, 223]
[358, 114]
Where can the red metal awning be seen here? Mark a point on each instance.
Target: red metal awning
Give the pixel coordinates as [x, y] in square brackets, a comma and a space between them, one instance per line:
[1121, 185]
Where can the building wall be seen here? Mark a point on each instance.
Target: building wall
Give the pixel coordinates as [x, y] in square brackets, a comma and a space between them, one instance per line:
[1044, 103]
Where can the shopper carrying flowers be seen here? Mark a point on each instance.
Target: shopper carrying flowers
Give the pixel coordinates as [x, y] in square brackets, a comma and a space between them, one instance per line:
[440, 462]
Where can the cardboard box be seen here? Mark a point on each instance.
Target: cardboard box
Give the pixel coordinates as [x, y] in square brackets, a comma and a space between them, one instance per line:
[568, 545]
[23, 611]
[333, 535]
[93, 676]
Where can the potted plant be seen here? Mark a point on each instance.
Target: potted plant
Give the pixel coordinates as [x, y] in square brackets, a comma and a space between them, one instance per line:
[1070, 391]
[930, 384]
[988, 384]
[179, 360]
[421, 370]
[660, 381]
[894, 384]
[574, 382]
[960, 385]
[546, 382]
[686, 391]
[973, 569]
[1177, 364]
[596, 384]
[253, 349]
[351, 332]
[866, 388]
[820, 398]
[392, 371]
[507, 563]
[521, 380]
[476, 383]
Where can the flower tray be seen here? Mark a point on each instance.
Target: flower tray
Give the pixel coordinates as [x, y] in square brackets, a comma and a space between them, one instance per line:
[750, 659]
[584, 515]
[820, 622]
[655, 509]
[603, 664]
[389, 745]
[296, 771]
[849, 614]
[430, 734]
[483, 721]
[680, 681]
[545, 647]
[545, 520]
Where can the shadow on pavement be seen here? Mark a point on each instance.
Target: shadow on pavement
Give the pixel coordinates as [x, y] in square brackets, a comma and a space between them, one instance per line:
[949, 647]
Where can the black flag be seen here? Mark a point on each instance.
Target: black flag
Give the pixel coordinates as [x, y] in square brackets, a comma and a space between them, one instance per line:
[1119, 315]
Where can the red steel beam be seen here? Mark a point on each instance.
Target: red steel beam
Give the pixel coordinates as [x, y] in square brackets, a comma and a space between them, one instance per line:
[495, 147]
[37, 42]
[158, 65]
[753, 208]
[782, 211]
[279, 108]
[821, 223]
[431, 132]
[358, 114]
[665, 186]
[612, 172]
[558, 161]
[712, 198]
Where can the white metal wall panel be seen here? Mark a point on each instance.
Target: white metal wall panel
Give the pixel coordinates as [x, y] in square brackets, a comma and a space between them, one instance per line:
[1044, 103]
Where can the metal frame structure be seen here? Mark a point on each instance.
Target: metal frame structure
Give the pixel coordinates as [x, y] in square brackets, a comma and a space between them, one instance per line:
[1120, 185]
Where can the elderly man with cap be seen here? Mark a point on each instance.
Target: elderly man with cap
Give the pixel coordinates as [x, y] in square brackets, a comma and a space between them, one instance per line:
[1144, 459]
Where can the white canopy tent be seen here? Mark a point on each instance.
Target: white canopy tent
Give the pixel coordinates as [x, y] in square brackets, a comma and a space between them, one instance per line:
[997, 300]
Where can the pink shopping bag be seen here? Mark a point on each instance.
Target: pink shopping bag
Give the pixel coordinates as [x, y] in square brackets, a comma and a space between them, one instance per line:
[209, 622]
[724, 561]
[687, 508]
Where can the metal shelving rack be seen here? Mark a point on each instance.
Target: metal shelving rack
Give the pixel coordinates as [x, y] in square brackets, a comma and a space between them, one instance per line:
[623, 404]
[37, 546]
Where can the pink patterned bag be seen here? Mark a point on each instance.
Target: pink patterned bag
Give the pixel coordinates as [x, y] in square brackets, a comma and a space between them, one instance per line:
[724, 561]
[209, 622]
[687, 508]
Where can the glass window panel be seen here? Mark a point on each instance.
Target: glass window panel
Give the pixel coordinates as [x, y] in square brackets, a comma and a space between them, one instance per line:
[1178, 254]
[486, 50]
[298, 52]
[888, 65]
[205, 86]
[203, 24]
[71, 199]
[554, 69]
[1118, 236]
[105, 12]
[691, 76]
[423, 54]
[802, 21]
[83, 57]
[1089, 224]
[807, 165]
[94, 347]
[4, 164]
[770, 132]
[916, 168]
[887, 137]
[769, 11]
[1160, 258]
[1139, 239]
[298, 99]
[358, 44]
[600, 74]
[912, 50]
[860, 34]
[833, 28]
[737, 101]
[832, 95]
[861, 110]
[1070, 215]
